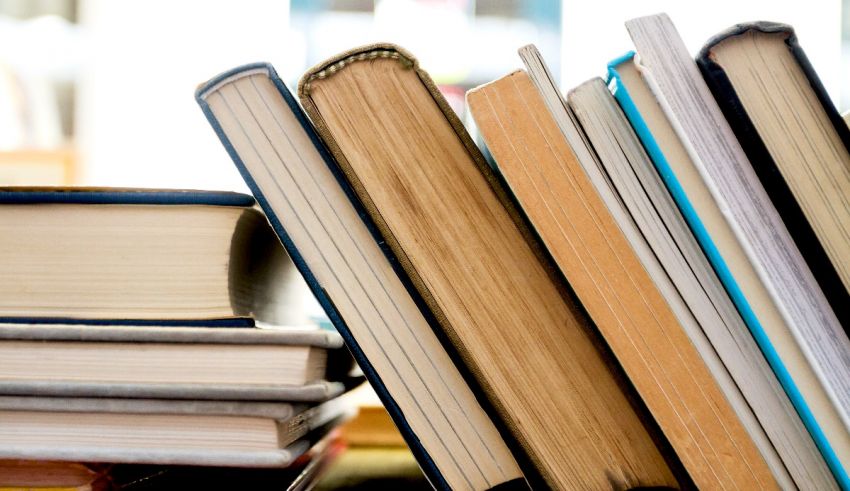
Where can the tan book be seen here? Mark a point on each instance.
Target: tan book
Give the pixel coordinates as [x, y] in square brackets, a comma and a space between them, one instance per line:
[164, 431]
[503, 308]
[30, 475]
[572, 206]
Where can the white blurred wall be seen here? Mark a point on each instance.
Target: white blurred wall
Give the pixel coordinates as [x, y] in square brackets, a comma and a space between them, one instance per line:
[138, 124]
[137, 120]
[594, 32]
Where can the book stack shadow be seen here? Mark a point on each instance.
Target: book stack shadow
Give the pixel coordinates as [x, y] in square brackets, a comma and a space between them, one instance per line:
[152, 338]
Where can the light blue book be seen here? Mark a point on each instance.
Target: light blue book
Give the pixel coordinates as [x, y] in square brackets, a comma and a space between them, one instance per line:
[653, 149]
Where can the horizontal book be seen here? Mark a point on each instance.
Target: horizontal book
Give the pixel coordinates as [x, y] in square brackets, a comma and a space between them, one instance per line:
[795, 140]
[458, 236]
[208, 433]
[302, 474]
[161, 361]
[134, 254]
[55, 476]
[706, 282]
[355, 278]
[750, 236]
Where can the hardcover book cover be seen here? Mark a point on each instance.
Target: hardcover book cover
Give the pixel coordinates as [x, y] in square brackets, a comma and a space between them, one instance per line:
[766, 168]
[398, 66]
[312, 266]
[678, 193]
[339, 362]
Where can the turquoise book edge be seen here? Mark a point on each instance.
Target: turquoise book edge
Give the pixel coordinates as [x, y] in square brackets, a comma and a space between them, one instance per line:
[678, 193]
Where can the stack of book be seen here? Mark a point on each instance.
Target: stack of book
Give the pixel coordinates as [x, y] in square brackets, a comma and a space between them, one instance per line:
[648, 287]
[157, 328]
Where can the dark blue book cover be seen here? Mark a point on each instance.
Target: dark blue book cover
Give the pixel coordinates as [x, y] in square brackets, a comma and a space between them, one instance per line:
[121, 196]
[422, 456]
[764, 165]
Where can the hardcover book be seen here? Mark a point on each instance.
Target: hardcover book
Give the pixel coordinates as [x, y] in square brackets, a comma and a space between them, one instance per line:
[355, 277]
[705, 311]
[795, 139]
[173, 362]
[150, 431]
[136, 255]
[462, 242]
[733, 185]
[729, 260]
[580, 218]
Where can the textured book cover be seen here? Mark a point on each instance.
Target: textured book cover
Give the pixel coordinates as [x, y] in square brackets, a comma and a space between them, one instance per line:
[396, 64]
[293, 427]
[339, 362]
[765, 166]
[308, 263]
[653, 149]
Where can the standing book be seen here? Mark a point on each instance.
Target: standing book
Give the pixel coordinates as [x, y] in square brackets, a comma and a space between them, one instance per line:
[458, 236]
[332, 242]
[729, 260]
[791, 307]
[579, 217]
[710, 318]
[795, 139]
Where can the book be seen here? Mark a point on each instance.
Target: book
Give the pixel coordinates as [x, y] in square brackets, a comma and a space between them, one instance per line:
[602, 254]
[52, 475]
[557, 393]
[355, 278]
[728, 259]
[795, 140]
[303, 473]
[149, 431]
[703, 307]
[790, 306]
[139, 254]
[173, 362]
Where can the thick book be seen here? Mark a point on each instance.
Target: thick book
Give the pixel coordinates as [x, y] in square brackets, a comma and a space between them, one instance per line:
[670, 159]
[135, 255]
[355, 278]
[576, 211]
[173, 362]
[694, 291]
[795, 139]
[151, 431]
[458, 236]
[807, 325]
[303, 473]
[32, 475]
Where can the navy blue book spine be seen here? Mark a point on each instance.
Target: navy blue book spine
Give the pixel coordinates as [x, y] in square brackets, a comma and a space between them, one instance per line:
[423, 458]
[765, 167]
[228, 322]
[121, 196]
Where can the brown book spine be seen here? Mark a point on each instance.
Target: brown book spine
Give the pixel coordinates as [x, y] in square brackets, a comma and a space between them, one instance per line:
[501, 414]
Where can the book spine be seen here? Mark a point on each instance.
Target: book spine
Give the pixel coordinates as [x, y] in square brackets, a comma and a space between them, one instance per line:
[769, 174]
[425, 461]
[444, 330]
[408, 275]
[678, 193]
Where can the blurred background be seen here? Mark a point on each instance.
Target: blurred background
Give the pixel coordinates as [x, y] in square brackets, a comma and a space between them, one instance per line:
[100, 93]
